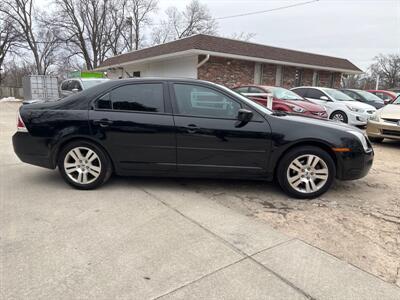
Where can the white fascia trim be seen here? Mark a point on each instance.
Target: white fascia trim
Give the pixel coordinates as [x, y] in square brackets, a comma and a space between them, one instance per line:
[228, 55]
[149, 59]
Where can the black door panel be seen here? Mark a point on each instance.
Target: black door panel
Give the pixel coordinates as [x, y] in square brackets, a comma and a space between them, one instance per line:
[139, 141]
[206, 136]
[216, 145]
[131, 121]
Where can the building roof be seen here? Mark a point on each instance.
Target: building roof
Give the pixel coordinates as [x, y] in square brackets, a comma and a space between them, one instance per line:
[218, 46]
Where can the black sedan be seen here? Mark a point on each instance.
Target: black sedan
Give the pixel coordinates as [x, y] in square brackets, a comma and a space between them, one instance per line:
[186, 128]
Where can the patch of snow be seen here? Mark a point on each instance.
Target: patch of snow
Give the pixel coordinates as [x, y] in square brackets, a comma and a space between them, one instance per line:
[10, 99]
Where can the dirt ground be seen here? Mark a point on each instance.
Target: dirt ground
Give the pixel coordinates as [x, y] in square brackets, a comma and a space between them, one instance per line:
[358, 221]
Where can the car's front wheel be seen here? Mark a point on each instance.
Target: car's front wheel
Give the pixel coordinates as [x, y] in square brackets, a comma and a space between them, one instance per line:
[339, 116]
[306, 172]
[84, 165]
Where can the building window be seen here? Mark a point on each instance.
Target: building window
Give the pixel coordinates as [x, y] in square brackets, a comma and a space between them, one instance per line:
[298, 77]
[136, 74]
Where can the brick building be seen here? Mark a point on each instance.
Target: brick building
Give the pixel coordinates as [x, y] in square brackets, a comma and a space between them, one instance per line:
[231, 63]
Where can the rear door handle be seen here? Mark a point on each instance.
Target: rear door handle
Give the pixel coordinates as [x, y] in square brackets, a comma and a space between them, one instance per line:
[192, 128]
[103, 122]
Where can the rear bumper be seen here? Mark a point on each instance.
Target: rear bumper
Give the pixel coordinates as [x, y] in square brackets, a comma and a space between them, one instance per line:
[32, 150]
[383, 130]
[353, 166]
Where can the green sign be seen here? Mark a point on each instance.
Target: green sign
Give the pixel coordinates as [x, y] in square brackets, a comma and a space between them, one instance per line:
[80, 74]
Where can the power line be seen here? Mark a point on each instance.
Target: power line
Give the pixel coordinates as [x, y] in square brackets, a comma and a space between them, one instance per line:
[265, 11]
[222, 18]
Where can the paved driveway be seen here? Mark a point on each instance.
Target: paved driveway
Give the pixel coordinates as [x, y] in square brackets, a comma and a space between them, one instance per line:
[153, 238]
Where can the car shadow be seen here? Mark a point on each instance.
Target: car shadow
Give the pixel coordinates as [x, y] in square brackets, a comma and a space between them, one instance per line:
[388, 144]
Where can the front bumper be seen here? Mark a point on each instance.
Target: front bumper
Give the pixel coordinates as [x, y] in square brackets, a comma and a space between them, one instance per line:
[353, 165]
[383, 129]
[32, 150]
[359, 119]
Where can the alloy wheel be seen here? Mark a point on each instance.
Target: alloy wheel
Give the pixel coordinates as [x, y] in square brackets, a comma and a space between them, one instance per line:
[82, 165]
[307, 173]
[338, 117]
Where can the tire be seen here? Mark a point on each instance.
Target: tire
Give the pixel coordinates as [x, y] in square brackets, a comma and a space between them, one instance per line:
[375, 139]
[322, 174]
[339, 116]
[82, 161]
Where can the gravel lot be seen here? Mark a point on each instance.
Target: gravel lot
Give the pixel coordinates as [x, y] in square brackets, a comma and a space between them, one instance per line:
[356, 221]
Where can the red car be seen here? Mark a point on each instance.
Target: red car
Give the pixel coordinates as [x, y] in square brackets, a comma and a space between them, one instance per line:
[387, 96]
[283, 100]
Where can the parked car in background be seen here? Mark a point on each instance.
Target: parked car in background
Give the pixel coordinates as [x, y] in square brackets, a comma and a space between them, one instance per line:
[365, 97]
[386, 96]
[339, 106]
[186, 128]
[385, 123]
[282, 99]
[75, 85]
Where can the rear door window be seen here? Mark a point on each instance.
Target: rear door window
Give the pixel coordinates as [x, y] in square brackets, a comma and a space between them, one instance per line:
[147, 97]
[300, 91]
[64, 85]
[314, 94]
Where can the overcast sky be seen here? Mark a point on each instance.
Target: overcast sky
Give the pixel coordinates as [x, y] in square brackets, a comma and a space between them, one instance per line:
[354, 29]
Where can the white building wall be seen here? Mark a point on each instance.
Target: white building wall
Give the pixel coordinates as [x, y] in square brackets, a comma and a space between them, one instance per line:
[182, 67]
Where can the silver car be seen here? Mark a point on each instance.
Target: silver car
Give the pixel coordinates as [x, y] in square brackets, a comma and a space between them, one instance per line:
[75, 85]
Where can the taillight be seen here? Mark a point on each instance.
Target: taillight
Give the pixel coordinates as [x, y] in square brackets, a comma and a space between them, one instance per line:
[20, 124]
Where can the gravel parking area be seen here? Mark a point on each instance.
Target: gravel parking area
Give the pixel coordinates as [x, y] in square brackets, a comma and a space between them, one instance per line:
[357, 221]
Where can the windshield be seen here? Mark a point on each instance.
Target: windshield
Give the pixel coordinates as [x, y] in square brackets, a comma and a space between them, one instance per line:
[370, 96]
[90, 83]
[397, 100]
[285, 94]
[338, 95]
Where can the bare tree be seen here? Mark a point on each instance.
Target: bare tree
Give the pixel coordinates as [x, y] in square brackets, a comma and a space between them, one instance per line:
[21, 14]
[387, 67]
[88, 28]
[140, 17]
[9, 38]
[242, 36]
[195, 19]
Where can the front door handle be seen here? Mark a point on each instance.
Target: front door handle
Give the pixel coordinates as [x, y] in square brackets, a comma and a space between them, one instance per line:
[192, 128]
[103, 122]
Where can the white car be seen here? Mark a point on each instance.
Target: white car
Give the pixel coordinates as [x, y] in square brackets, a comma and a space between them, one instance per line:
[75, 85]
[340, 107]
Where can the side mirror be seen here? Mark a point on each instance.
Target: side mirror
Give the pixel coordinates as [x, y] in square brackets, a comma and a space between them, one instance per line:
[75, 90]
[244, 116]
[325, 98]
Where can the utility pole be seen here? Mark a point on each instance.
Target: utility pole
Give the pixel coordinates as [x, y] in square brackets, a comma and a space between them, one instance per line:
[129, 21]
[377, 82]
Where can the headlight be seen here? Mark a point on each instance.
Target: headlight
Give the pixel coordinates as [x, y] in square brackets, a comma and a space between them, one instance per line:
[361, 137]
[297, 108]
[352, 108]
[375, 117]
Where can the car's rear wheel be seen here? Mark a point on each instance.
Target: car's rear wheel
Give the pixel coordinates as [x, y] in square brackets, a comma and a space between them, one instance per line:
[375, 139]
[339, 116]
[306, 172]
[84, 165]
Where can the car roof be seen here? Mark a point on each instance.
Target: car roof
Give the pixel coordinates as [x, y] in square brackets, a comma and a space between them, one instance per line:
[312, 87]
